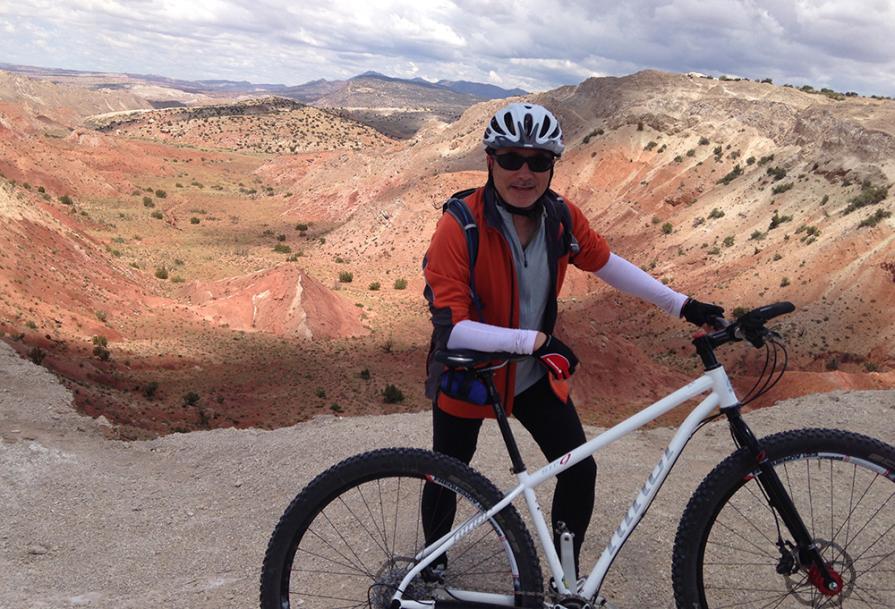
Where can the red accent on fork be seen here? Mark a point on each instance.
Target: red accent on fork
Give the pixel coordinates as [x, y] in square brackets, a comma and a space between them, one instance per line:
[817, 580]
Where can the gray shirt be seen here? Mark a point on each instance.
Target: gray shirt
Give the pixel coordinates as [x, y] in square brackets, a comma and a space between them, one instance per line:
[533, 277]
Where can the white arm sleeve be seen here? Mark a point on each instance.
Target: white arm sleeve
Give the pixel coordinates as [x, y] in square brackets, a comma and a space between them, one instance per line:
[624, 276]
[469, 334]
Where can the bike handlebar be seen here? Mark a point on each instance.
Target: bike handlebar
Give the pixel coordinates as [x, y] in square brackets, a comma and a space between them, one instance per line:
[750, 326]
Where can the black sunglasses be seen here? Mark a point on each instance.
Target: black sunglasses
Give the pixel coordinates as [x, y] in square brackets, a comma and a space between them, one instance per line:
[513, 161]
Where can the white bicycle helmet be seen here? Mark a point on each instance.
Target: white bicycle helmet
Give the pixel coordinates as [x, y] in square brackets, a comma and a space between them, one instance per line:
[524, 126]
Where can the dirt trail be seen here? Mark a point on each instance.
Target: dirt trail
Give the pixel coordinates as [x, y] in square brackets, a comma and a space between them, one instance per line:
[183, 521]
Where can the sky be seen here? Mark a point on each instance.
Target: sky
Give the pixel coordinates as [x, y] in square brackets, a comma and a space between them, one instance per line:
[845, 45]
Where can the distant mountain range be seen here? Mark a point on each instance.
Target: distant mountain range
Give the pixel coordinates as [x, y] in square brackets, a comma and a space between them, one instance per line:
[397, 107]
[307, 92]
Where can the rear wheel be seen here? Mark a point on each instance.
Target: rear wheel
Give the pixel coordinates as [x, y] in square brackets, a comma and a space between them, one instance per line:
[349, 538]
[728, 553]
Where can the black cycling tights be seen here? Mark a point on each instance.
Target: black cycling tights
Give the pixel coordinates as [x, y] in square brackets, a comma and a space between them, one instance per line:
[557, 430]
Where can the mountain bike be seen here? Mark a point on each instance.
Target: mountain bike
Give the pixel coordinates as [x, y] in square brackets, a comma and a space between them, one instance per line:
[802, 518]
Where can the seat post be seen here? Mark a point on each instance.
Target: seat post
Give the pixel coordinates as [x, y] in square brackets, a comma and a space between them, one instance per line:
[503, 423]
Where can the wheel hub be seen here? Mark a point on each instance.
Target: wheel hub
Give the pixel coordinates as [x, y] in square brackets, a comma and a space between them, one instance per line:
[804, 585]
[387, 580]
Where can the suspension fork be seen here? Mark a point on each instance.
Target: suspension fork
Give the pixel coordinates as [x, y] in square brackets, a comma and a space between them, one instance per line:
[781, 502]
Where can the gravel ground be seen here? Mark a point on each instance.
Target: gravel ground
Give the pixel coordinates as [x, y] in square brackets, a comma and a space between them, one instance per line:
[183, 521]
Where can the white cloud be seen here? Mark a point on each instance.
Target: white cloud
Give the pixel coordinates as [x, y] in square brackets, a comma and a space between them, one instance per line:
[528, 43]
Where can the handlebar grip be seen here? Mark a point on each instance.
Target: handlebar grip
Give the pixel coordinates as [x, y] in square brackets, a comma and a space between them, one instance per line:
[771, 311]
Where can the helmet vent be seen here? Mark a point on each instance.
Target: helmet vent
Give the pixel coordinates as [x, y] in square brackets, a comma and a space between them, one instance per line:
[508, 121]
[545, 127]
[528, 124]
[496, 127]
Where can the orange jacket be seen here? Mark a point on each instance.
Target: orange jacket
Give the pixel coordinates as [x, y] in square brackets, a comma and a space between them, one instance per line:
[446, 269]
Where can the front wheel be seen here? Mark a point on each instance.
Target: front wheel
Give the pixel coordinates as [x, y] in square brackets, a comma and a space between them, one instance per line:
[349, 538]
[733, 551]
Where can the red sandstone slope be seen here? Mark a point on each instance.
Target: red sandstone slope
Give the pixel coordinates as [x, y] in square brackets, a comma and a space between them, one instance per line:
[647, 160]
[242, 232]
[283, 301]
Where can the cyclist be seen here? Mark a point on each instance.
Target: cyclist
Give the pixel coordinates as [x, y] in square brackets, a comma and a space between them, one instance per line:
[523, 252]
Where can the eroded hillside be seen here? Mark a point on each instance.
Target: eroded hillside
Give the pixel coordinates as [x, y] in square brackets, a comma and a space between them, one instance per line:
[178, 288]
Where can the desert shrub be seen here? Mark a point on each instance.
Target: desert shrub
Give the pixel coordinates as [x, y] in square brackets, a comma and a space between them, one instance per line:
[301, 226]
[37, 355]
[320, 392]
[715, 214]
[781, 188]
[282, 248]
[191, 398]
[102, 316]
[766, 159]
[102, 352]
[777, 220]
[777, 173]
[346, 277]
[281, 237]
[147, 202]
[41, 189]
[150, 389]
[703, 141]
[667, 228]
[650, 145]
[177, 279]
[678, 159]
[592, 134]
[732, 175]
[373, 286]
[757, 235]
[876, 218]
[194, 220]
[392, 395]
[833, 363]
[691, 152]
[364, 374]
[728, 241]
[750, 160]
[714, 251]
[640, 126]
[400, 284]
[335, 407]
[784, 282]
[157, 215]
[65, 200]
[740, 311]
[869, 195]
[718, 151]
[161, 194]
[161, 272]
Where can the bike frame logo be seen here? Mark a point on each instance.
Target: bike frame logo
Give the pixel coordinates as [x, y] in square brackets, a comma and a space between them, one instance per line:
[641, 502]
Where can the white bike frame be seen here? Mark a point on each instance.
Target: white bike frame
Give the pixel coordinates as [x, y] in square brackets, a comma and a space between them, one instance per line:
[721, 394]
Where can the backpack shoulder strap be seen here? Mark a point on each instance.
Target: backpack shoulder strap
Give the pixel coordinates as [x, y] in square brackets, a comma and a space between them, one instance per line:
[570, 243]
[458, 208]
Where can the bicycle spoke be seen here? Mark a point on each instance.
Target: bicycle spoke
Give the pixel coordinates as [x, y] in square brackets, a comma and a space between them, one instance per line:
[359, 565]
[381, 533]
[365, 529]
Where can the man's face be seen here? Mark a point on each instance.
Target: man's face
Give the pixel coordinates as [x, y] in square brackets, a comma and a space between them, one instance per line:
[520, 187]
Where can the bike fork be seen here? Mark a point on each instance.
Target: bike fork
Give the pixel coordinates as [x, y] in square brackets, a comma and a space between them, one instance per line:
[827, 581]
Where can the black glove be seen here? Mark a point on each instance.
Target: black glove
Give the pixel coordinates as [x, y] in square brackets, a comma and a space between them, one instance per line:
[698, 313]
[557, 358]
